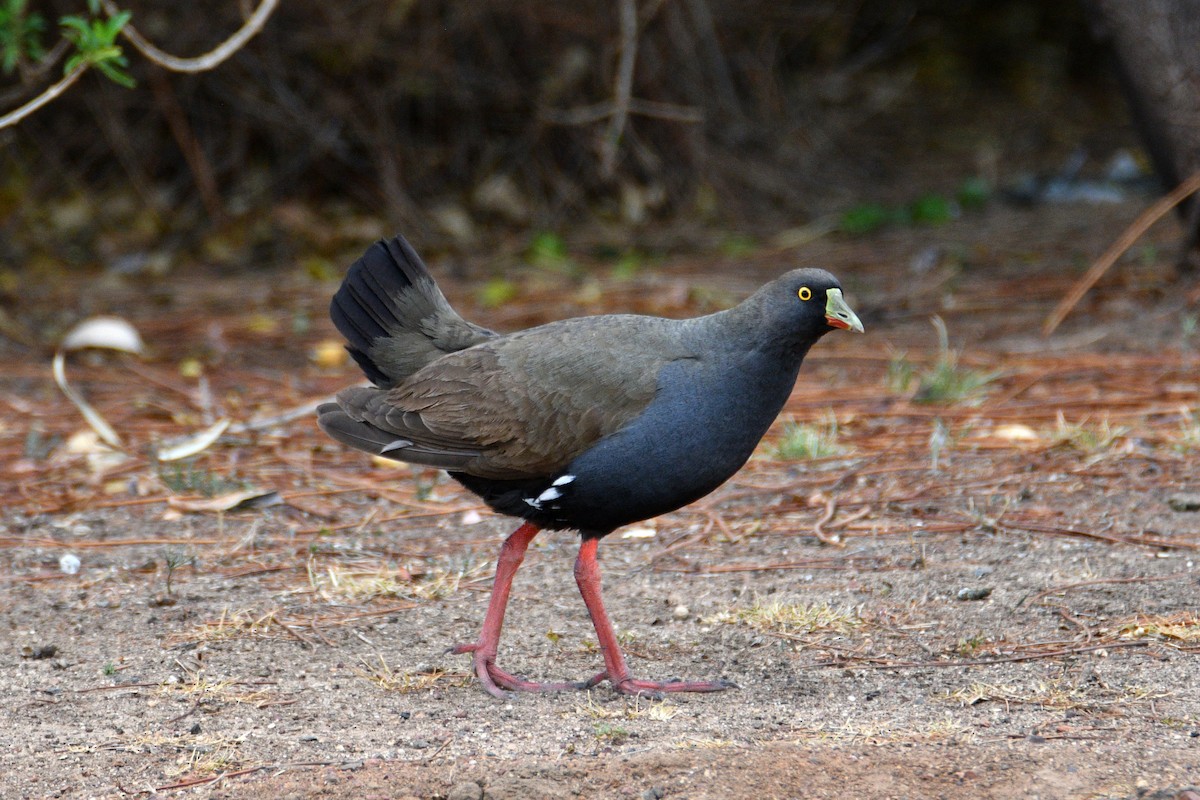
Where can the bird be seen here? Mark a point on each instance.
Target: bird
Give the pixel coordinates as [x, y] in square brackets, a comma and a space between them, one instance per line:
[583, 424]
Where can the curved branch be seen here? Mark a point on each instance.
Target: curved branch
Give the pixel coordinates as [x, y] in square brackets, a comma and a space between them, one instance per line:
[254, 23]
[1117, 249]
[623, 91]
[18, 114]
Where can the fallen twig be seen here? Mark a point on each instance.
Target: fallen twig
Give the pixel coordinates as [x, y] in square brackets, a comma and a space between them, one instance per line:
[1118, 248]
[1101, 581]
[984, 662]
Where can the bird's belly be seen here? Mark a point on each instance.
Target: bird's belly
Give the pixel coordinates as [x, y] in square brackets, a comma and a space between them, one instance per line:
[668, 458]
[686, 443]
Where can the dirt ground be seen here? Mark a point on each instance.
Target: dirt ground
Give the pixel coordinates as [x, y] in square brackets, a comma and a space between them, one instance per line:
[989, 597]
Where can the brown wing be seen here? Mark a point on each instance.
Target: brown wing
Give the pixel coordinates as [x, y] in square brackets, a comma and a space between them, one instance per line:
[515, 407]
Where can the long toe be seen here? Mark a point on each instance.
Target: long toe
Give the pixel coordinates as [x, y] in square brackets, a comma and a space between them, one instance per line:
[515, 683]
[483, 670]
[635, 686]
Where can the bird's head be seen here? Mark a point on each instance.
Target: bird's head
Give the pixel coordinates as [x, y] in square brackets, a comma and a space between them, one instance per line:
[805, 304]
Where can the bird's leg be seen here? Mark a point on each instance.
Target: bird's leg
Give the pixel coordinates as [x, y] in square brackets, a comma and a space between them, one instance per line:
[587, 576]
[484, 650]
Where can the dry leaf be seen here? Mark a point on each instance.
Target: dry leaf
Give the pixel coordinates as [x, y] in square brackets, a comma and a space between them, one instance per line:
[239, 501]
[191, 445]
[110, 333]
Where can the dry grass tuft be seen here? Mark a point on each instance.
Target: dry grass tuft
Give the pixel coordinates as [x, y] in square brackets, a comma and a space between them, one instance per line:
[808, 441]
[1181, 627]
[228, 691]
[388, 679]
[230, 625]
[859, 732]
[1057, 695]
[1085, 436]
[703, 743]
[779, 617]
[361, 584]
[631, 708]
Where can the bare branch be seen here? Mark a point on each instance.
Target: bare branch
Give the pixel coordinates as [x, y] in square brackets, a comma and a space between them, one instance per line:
[209, 60]
[1125, 241]
[624, 88]
[212, 58]
[18, 114]
[585, 115]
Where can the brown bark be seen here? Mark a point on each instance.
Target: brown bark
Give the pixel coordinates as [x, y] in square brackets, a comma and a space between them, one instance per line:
[1156, 44]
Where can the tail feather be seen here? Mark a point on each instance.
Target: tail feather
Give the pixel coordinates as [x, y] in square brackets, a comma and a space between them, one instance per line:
[394, 317]
[341, 426]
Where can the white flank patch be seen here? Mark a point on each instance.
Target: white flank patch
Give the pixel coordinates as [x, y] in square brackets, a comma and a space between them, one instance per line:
[563, 481]
[548, 495]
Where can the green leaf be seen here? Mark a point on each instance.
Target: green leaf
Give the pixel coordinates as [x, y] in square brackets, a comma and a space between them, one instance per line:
[866, 218]
[496, 292]
[738, 245]
[20, 35]
[931, 209]
[95, 45]
[547, 249]
[974, 193]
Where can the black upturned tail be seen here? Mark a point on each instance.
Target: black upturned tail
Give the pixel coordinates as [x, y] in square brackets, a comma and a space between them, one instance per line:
[394, 317]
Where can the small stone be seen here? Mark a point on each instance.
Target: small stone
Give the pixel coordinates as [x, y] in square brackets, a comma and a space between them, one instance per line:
[40, 652]
[974, 593]
[654, 793]
[1184, 502]
[681, 612]
[467, 790]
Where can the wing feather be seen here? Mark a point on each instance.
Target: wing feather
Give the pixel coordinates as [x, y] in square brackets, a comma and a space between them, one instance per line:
[514, 407]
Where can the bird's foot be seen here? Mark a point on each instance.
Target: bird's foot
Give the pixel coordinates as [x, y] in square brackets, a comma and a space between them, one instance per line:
[630, 685]
[495, 680]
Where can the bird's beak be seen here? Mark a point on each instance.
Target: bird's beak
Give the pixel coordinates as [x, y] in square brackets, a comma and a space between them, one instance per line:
[838, 314]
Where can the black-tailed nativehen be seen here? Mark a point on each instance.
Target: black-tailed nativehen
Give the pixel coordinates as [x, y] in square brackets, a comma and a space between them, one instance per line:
[585, 424]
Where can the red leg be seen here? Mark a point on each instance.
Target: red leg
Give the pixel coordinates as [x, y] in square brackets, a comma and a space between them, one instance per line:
[512, 553]
[587, 576]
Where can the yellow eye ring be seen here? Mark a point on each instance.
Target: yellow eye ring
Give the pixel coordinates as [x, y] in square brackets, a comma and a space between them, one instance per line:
[805, 293]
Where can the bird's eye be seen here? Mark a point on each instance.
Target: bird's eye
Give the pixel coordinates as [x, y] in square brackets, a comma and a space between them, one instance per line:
[805, 293]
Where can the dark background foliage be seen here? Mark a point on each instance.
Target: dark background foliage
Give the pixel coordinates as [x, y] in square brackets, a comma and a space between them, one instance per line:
[421, 112]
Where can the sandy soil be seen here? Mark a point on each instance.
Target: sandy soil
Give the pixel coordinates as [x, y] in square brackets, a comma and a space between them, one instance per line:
[1005, 606]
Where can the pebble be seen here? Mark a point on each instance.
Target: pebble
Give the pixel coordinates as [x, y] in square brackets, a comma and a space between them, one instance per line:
[467, 790]
[1184, 502]
[974, 593]
[39, 652]
[681, 612]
